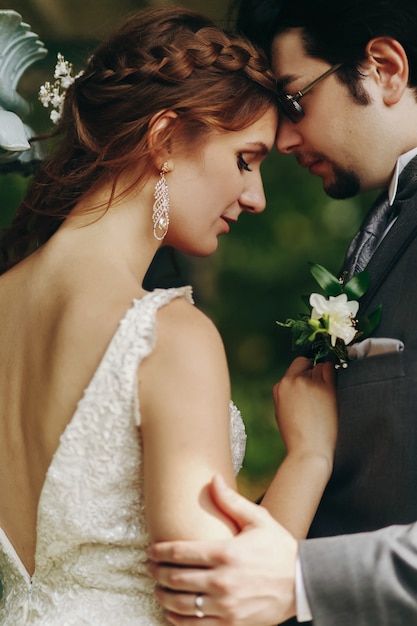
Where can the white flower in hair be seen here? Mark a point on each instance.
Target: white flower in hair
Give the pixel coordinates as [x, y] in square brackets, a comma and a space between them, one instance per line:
[63, 67]
[55, 116]
[54, 94]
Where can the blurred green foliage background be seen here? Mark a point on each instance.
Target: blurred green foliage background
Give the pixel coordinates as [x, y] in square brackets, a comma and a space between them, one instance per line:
[261, 268]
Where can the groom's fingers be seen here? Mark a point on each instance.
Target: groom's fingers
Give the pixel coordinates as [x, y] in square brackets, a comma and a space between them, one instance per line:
[181, 608]
[176, 579]
[211, 554]
[173, 586]
[187, 553]
[241, 510]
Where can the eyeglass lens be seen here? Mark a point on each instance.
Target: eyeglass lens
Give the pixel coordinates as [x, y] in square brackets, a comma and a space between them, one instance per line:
[291, 108]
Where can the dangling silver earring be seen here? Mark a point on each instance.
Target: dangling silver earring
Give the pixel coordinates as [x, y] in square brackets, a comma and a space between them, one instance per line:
[160, 212]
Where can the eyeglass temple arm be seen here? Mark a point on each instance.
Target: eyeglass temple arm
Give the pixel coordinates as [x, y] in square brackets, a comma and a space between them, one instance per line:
[302, 92]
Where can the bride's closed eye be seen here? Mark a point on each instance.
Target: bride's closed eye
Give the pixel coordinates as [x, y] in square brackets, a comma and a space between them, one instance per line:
[242, 164]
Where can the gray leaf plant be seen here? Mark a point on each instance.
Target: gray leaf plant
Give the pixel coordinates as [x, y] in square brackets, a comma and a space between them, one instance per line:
[20, 48]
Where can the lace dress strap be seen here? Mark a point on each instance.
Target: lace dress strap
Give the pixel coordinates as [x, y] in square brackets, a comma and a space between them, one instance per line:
[133, 340]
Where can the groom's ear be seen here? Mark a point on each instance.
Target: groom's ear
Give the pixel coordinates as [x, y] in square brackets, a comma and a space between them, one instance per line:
[160, 133]
[387, 63]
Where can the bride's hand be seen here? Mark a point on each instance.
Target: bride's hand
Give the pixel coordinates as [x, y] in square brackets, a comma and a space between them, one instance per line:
[306, 408]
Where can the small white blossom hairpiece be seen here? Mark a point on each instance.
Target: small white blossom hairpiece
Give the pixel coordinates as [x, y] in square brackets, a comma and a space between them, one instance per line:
[53, 94]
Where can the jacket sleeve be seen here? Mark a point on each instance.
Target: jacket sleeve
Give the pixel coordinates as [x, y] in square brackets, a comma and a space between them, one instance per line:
[362, 579]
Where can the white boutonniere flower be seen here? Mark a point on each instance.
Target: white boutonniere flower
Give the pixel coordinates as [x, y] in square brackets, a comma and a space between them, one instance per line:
[338, 315]
[331, 325]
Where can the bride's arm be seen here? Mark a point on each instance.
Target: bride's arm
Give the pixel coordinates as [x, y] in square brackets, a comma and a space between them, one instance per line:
[184, 394]
[306, 411]
[263, 551]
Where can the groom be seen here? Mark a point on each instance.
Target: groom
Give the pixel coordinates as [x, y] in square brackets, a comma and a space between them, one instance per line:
[347, 73]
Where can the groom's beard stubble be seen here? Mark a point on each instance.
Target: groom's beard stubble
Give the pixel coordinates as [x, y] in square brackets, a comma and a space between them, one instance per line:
[346, 184]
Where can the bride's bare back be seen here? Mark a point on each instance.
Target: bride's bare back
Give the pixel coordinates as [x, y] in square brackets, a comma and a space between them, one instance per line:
[53, 332]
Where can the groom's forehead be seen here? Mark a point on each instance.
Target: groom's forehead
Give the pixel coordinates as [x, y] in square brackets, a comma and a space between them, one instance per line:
[290, 62]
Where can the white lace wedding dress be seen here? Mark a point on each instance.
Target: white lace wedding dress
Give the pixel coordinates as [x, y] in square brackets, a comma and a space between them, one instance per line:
[91, 530]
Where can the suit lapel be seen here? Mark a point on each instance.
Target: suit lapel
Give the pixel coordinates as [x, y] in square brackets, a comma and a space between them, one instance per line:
[392, 247]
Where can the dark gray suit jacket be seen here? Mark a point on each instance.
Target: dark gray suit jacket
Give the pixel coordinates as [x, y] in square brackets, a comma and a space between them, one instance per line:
[371, 578]
[374, 482]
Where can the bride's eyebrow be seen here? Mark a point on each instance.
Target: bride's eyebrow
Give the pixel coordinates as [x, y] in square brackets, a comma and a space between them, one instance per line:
[258, 146]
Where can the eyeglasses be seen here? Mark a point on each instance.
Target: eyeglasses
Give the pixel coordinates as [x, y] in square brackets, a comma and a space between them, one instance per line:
[290, 105]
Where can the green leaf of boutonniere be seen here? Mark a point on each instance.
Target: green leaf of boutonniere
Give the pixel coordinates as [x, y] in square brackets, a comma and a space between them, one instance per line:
[367, 323]
[327, 281]
[357, 285]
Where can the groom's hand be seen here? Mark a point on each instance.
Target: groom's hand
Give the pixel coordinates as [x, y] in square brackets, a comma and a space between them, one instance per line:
[245, 581]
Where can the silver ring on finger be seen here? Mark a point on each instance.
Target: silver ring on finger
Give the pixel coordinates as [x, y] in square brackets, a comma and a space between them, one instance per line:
[198, 603]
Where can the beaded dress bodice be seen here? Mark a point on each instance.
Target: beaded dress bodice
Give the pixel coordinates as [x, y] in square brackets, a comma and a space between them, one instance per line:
[90, 563]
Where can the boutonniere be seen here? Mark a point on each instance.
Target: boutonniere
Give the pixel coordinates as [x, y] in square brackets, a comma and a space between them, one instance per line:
[332, 323]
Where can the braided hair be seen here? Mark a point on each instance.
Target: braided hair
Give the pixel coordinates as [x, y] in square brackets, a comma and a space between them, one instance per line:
[159, 59]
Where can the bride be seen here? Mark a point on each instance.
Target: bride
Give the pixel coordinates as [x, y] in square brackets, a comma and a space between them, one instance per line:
[114, 401]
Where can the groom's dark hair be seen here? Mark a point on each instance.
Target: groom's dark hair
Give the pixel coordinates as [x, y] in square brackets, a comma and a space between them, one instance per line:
[334, 30]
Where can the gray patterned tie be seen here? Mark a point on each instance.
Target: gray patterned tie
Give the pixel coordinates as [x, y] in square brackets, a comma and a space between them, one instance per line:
[367, 238]
[377, 220]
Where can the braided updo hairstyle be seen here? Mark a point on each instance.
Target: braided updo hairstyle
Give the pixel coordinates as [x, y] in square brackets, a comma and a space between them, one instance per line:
[159, 59]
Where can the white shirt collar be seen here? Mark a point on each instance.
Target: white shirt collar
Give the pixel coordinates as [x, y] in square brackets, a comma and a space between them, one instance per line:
[402, 161]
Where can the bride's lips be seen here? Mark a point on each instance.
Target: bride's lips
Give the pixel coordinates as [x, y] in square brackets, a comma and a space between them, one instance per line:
[228, 221]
